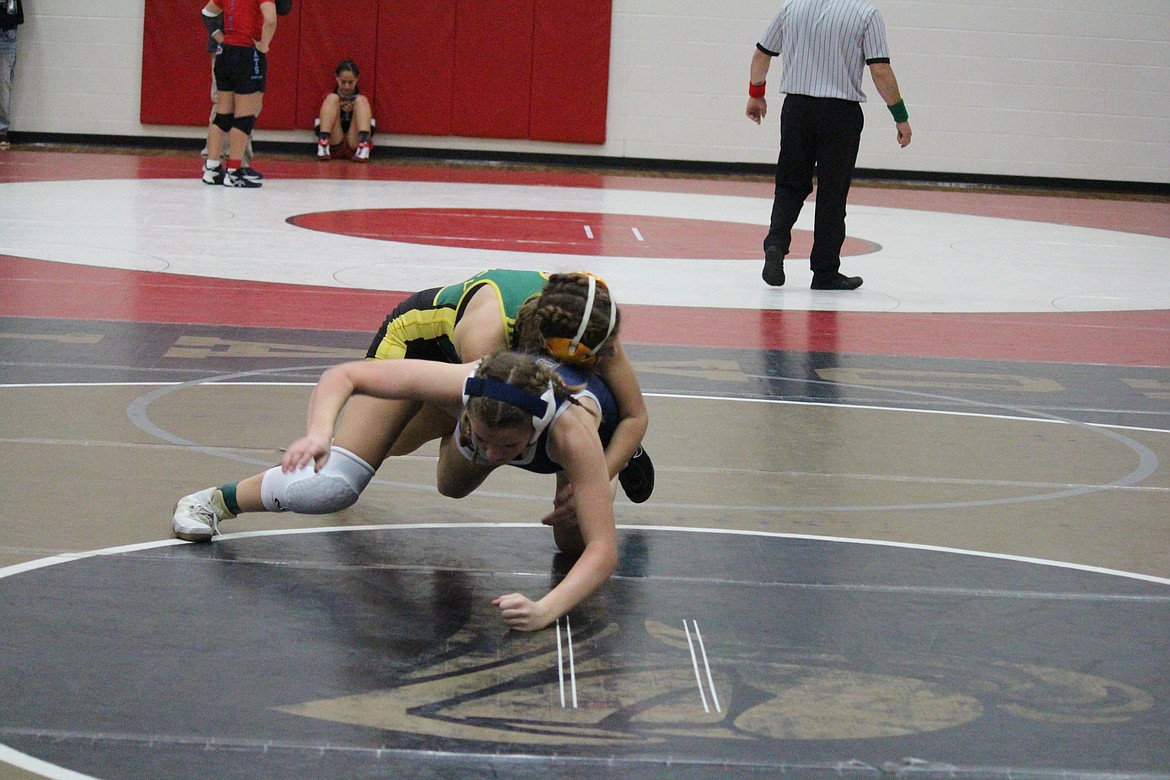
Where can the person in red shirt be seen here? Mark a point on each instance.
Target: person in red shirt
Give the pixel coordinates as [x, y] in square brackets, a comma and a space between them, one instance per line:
[241, 65]
[214, 25]
[346, 121]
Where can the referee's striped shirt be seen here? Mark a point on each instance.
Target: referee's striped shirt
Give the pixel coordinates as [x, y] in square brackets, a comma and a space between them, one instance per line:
[826, 45]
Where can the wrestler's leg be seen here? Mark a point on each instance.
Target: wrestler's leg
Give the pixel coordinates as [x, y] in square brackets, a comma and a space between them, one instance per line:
[368, 429]
[429, 424]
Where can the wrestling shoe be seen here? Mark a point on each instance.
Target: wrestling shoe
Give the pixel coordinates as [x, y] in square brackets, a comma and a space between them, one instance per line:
[212, 174]
[637, 477]
[774, 266]
[362, 153]
[323, 151]
[251, 174]
[197, 516]
[237, 178]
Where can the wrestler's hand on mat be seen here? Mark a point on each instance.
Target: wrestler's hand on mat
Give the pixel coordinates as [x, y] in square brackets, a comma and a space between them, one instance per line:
[303, 451]
[522, 613]
[564, 510]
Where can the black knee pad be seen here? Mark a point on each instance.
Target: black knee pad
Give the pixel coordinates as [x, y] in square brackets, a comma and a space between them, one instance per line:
[223, 121]
[244, 124]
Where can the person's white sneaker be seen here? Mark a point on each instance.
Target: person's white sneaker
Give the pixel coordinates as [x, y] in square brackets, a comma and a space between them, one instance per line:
[362, 153]
[197, 516]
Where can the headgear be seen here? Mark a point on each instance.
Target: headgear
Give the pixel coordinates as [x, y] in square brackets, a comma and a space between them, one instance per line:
[542, 407]
[572, 350]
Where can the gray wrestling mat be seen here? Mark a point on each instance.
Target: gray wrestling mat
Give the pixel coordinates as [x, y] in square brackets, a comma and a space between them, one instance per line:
[375, 652]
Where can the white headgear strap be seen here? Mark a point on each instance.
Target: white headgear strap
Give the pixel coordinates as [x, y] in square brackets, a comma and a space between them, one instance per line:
[588, 315]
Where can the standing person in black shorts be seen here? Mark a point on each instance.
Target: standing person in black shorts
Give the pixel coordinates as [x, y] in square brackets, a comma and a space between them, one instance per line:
[241, 65]
[826, 45]
[214, 25]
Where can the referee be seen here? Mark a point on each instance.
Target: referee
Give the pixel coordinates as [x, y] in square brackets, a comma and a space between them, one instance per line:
[826, 45]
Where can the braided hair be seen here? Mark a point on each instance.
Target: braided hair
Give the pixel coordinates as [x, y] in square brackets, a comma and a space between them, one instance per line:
[547, 324]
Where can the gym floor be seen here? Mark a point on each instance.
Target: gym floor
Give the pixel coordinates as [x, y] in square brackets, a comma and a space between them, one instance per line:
[917, 529]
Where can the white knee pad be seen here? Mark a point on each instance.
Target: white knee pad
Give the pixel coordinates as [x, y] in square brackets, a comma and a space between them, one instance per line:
[333, 488]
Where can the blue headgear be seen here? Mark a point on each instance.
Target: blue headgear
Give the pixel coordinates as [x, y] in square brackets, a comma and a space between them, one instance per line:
[542, 407]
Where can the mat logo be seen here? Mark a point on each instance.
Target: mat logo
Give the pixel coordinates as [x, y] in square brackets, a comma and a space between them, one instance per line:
[741, 694]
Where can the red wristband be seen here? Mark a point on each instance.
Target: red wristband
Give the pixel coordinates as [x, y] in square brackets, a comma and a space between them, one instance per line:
[757, 90]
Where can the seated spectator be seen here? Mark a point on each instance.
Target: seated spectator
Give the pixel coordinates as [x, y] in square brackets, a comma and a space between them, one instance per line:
[346, 122]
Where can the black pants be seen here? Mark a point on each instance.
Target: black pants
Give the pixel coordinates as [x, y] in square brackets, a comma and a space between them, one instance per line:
[818, 136]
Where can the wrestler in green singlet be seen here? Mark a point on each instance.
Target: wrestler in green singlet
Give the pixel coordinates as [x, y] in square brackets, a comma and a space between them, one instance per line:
[421, 326]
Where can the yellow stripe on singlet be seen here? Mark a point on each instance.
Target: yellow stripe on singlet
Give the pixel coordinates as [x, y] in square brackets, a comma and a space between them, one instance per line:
[415, 325]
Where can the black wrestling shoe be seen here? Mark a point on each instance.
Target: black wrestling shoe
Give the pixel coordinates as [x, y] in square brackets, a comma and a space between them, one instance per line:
[837, 282]
[637, 477]
[773, 266]
[238, 178]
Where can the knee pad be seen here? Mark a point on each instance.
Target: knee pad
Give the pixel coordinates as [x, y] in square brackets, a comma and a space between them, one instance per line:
[244, 124]
[333, 488]
[223, 121]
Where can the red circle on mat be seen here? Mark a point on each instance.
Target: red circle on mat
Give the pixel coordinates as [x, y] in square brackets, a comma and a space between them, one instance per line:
[563, 232]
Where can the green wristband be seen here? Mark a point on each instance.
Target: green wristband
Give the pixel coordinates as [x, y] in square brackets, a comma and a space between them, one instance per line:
[898, 110]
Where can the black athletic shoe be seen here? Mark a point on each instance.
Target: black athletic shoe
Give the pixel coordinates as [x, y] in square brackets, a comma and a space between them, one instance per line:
[237, 178]
[774, 266]
[837, 281]
[637, 477]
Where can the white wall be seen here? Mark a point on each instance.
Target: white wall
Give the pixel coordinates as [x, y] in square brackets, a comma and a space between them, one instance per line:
[1075, 89]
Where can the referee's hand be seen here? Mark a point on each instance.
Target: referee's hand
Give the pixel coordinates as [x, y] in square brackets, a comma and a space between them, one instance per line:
[757, 109]
[904, 134]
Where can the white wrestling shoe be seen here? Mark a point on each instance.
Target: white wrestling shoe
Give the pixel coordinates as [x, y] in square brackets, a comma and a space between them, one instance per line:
[197, 516]
[212, 174]
[362, 153]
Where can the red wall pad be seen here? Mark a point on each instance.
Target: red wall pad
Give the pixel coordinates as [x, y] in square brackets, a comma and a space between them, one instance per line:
[284, 71]
[416, 60]
[570, 71]
[493, 68]
[484, 68]
[176, 66]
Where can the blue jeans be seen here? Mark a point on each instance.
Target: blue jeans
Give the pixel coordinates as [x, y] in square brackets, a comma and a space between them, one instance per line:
[7, 68]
